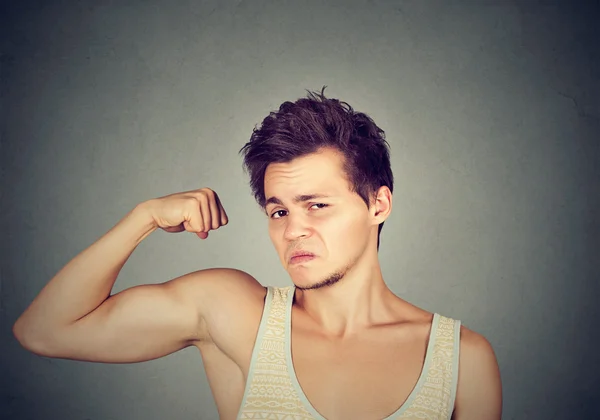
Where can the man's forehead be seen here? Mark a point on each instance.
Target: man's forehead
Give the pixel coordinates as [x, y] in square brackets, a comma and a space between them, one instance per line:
[317, 175]
[302, 179]
[325, 159]
[304, 187]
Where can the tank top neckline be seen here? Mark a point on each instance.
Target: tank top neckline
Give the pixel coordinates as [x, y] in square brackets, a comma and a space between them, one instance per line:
[292, 372]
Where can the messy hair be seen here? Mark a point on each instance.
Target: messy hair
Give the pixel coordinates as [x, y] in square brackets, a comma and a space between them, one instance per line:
[311, 124]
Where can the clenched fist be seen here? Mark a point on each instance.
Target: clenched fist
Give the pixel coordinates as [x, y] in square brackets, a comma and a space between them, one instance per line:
[197, 211]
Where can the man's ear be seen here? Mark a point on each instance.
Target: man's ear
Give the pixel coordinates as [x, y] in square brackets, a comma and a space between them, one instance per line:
[381, 204]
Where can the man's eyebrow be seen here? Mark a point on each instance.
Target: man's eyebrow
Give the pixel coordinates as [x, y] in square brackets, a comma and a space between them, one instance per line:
[297, 199]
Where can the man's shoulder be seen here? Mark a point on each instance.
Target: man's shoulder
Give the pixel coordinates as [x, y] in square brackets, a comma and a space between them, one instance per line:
[229, 303]
[221, 294]
[474, 344]
[478, 378]
[477, 357]
[219, 280]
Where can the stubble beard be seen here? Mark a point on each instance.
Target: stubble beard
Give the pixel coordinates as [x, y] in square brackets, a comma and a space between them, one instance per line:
[330, 280]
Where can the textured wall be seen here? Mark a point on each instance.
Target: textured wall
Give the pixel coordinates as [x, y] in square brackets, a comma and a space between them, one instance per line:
[491, 110]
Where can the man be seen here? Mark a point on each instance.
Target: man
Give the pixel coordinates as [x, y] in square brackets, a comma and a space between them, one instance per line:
[338, 344]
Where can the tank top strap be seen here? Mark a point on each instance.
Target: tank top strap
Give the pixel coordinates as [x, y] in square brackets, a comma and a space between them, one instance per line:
[269, 393]
[434, 393]
[442, 376]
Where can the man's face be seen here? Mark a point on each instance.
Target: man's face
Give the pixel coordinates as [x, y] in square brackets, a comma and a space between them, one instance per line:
[310, 208]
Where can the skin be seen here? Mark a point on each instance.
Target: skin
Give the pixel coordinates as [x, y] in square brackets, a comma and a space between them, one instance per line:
[346, 323]
[343, 285]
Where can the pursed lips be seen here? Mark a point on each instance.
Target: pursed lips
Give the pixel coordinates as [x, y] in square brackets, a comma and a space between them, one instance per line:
[299, 254]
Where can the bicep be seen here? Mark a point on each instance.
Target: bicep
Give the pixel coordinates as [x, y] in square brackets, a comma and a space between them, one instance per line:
[150, 321]
[138, 324]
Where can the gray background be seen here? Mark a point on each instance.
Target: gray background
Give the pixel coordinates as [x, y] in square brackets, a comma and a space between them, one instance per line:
[491, 110]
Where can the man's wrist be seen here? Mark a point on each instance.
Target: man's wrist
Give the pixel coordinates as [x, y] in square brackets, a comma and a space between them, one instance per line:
[142, 213]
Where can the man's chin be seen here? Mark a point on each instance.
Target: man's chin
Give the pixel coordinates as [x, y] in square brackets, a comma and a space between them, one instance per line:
[303, 281]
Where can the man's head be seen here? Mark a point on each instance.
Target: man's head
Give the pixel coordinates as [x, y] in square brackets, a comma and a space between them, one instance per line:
[319, 145]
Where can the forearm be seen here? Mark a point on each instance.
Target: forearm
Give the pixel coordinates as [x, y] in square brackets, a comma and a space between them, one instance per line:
[86, 281]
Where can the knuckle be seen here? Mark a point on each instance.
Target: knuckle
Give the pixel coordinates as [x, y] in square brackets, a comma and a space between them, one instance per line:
[202, 198]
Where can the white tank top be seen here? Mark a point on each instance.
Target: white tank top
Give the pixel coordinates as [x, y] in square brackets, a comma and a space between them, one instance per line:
[273, 392]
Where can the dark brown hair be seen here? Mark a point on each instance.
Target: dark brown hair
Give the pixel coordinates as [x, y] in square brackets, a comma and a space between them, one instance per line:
[310, 124]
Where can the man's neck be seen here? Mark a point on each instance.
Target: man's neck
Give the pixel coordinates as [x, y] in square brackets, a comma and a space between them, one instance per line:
[358, 301]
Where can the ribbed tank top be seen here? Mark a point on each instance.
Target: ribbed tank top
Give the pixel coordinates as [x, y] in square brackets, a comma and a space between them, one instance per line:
[272, 390]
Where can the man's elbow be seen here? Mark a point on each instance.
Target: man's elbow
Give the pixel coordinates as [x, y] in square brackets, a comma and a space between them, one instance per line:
[30, 342]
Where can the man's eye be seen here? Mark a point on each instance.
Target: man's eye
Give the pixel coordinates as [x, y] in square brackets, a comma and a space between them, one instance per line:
[320, 204]
[277, 215]
[274, 213]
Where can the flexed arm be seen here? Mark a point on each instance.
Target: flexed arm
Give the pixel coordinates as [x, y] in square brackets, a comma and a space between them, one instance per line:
[75, 317]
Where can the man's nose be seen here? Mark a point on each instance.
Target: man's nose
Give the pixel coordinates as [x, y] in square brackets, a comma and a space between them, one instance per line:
[297, 226]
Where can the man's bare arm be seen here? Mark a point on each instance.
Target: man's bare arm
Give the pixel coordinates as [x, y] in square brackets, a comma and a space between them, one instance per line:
[75, 317]
[479, 392]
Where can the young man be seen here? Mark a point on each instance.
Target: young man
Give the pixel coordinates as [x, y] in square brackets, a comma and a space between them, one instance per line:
[338, 344]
